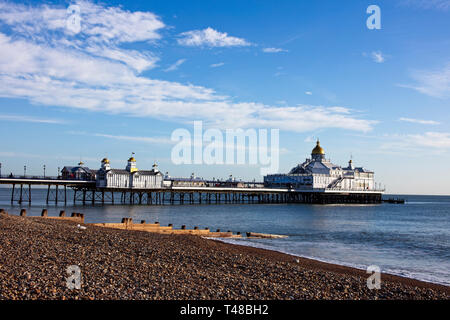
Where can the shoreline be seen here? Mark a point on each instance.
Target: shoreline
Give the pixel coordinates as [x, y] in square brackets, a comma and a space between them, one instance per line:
[313, 260]
[125, 264]
[336, 268]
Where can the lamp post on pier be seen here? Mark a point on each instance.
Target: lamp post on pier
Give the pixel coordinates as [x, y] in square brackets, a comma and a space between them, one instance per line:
[58, 172]
[24, 171]
[44, 170]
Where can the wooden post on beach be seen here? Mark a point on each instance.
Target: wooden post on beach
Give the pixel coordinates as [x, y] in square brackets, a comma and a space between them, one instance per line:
[62, 213]
[44, 213]
[23, 212]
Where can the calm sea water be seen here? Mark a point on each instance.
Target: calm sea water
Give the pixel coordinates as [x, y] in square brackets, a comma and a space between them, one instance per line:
[411, 240]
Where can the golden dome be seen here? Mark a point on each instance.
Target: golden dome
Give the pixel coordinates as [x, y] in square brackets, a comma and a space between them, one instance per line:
[105, 160]
[132, 159]
[318, 149]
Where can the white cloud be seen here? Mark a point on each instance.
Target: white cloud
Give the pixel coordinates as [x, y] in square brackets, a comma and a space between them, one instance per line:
[90, 72]
[378, 56]
[419, 121]
[216, 65]
[434, 83]
[433, 141]
[175, 66]
[309, 93]
[340, 110]
[428, 4]
[103, 30]
[149, 140]
[21, 118]
[210, 38]
[274, 50]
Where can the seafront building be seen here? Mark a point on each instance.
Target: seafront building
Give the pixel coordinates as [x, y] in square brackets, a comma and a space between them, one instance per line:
[130, 177]
[319, 174]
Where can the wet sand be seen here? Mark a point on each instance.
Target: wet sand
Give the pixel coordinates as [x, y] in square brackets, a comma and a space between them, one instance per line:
[122, 264]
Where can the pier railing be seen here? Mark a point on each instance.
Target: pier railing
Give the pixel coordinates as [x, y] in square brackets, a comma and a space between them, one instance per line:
[9, 176]
[34, 177]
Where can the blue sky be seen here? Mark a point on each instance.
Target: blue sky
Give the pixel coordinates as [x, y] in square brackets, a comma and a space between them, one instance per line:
[137, 71]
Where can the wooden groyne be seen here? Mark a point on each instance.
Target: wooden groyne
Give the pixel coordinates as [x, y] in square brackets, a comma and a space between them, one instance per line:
[128, 224]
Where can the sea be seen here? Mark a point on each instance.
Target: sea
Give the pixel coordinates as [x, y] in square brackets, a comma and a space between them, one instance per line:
[410, 240]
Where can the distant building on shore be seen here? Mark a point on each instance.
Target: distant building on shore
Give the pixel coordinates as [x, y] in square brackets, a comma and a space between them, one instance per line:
[130, 177]
[318, 173]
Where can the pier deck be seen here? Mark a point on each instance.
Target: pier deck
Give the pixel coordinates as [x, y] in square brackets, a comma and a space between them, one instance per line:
[86, 192]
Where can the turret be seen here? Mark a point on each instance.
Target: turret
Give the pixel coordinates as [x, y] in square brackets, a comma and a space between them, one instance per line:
[131, 166]
[350, 165]
[105, 164]
[318, 154]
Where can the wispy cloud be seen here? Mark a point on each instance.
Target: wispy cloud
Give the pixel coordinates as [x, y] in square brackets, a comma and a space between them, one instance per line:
[309, 93]
[428, 4]
[102, 30]
[216, 65]
[210, 38]
[434, 83]
[273, 50]
[403, 143]
[378, 56]
[45, 156]
[44, 64]
[140, 139]
[419, 121]
[175, 66]
[21, 118]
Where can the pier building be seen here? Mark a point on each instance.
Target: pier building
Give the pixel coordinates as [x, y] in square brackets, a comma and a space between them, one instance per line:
[79, 172]
[319, 173]
[130, 177]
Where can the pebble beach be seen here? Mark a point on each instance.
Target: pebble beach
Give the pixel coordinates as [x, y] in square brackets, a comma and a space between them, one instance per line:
[123, 264]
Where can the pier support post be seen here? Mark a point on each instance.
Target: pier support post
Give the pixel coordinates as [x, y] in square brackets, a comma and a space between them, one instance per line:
[12, 194]
[21, 190]
[48, 193]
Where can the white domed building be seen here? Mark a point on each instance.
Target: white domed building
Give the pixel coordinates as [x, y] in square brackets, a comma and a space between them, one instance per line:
[130, 177]
[320, 174]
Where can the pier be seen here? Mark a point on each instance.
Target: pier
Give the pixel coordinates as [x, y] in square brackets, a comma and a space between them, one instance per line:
[86, 192]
